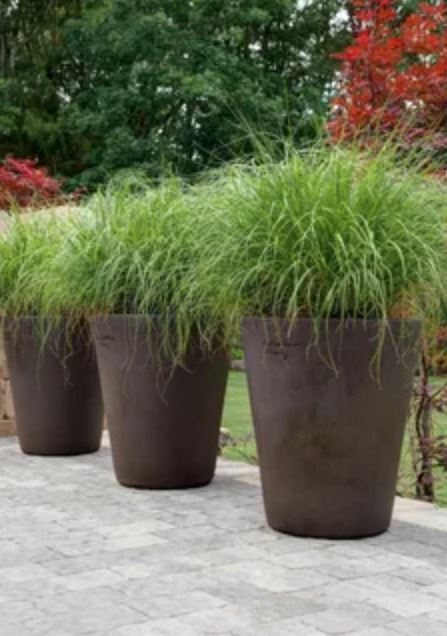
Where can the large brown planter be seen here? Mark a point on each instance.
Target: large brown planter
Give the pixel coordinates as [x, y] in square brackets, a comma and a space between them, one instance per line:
[329, 443]
[55, 389]
[164, 422]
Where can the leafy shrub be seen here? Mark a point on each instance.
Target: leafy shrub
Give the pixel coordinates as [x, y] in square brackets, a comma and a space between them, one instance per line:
[393, 75]
[24, 185]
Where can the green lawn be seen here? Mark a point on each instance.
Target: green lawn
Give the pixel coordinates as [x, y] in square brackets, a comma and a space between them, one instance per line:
[237, 419]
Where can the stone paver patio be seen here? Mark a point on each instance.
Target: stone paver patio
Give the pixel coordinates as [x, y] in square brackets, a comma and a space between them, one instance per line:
[81, 555]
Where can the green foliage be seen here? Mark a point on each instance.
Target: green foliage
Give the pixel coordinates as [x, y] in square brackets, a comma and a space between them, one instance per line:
[34, 80]
[27, 251]
[322, 233]
[135, 251]
[326, 234]
[95, 87]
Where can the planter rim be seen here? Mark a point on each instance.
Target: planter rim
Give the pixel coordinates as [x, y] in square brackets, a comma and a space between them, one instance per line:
[115, 315]
[23, 317]
[357, 321]
[34, 317]
[153, 319]
[130, 317]
[40, 318]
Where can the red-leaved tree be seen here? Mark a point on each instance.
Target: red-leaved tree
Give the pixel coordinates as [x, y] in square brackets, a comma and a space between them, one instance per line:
[393, 83]
[23, 184]
[394, 75]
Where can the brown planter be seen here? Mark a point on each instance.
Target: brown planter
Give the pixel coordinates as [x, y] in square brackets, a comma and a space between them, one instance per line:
[55, 388]
[329, 443]
[163, 422]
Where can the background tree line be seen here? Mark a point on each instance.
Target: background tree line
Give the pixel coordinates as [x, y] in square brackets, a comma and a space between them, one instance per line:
[92, 87]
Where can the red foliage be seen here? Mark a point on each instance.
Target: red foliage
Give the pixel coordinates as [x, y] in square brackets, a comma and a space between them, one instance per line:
[394, 74]
[437, 352]
[24, 184]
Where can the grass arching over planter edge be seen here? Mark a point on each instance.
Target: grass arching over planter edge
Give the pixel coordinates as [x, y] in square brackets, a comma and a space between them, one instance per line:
[326, 233]
[28, 248]
[323, 233]
[135, 252]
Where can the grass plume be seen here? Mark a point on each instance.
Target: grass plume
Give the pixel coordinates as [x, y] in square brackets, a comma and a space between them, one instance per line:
[326, 233]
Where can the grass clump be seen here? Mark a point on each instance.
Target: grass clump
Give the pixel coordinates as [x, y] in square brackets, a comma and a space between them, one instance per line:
[28, 248]
[135, 252]
[323, 233]
[327, 233]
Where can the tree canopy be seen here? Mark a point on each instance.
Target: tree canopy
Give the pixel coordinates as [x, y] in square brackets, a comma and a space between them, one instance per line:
[92, 87]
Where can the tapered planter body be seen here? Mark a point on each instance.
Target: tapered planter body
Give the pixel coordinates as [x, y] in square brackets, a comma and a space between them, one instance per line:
[164, 422]
[329, 442]
[55, 388]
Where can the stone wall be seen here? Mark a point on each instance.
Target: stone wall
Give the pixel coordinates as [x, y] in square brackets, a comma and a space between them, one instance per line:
[7, 426]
